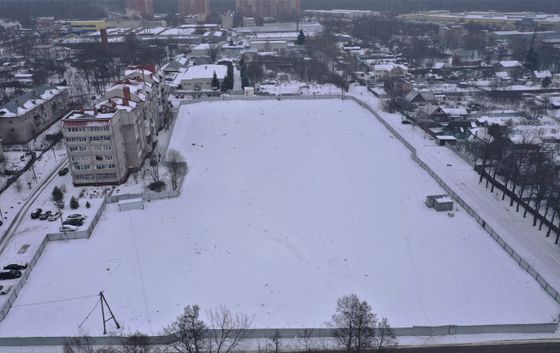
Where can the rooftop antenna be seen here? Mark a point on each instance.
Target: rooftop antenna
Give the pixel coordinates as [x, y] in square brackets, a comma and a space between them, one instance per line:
[104, 304]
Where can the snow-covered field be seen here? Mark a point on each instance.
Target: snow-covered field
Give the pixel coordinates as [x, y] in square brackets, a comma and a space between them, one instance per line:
[288, 205]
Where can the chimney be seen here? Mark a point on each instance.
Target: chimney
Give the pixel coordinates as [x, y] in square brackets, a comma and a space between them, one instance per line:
[126, 95]
[104, 38]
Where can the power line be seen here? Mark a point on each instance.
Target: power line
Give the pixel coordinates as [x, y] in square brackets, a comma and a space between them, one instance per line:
[91, 311]
[57, 300]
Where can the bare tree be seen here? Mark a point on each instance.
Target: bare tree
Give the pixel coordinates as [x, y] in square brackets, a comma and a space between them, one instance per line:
[176, 166]
[226, 330]
[354, 324]
[188, 331]
[275, 338]
[86, 344]
[213, 52]
[385, 336]
[152, 168]
[136, 343]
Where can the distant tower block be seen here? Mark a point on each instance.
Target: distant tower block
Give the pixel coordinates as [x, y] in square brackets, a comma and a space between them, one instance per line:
[199, 8]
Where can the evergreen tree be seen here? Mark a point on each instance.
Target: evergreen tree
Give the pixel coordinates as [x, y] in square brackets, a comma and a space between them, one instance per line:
[243, 72]
[546, 82]
[74, 203]
[300, 38]
[215, 81]
[57, 194]
[532, 60]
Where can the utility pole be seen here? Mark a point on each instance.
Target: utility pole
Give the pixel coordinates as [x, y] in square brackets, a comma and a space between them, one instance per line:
[112, 317]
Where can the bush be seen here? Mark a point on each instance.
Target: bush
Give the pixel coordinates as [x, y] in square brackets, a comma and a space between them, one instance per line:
[88, 205]
[74, 203]
[157, 186]
[57, 194]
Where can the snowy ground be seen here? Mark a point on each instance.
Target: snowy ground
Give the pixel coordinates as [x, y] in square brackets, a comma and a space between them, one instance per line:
[288, 205]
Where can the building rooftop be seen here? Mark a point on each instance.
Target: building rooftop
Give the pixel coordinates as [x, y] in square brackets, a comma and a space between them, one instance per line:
[30, 100]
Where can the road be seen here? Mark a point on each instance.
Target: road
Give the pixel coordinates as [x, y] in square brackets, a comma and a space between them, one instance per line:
[525, 347]
[25, 207]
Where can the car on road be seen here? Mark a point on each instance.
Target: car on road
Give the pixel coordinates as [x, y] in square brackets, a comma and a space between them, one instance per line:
[74, 222]
[45, 216]
[18, 267]
[35, 214]
[68, 228]
[5, 290]
[76, 216]
[54, 216]
[63, 171]
[11, 274]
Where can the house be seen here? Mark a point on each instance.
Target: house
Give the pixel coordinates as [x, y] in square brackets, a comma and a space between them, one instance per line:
[419, 97]
[384, 71]
[199, 77]
[397, 86]
[26, 116]
[512, 67]
[465, 57]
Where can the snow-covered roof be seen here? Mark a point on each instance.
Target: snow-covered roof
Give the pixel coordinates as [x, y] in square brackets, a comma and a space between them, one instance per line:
[30, 100]
[202, 46]
[510, 63]
[202, 72]
[542, 74]
[389, 67]
[454, 111]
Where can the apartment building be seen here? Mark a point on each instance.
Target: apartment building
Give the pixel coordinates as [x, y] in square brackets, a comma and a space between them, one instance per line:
[26, 116]
[105, 143]
[109, 141]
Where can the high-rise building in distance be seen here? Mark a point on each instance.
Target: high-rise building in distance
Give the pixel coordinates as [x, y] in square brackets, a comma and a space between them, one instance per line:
[144, 8]
[268, 8]
[200, 8]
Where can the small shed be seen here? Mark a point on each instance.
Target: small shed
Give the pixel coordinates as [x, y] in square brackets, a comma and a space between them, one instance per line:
[443, 204]
[439, 202]
[446, 139]
[131, 204]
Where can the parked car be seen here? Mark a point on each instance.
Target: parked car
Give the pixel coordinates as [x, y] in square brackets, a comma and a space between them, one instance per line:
[45, 216]
[1, 223]
[54, 216]
[15, 267]
[73, 222]
[63, 171]
[5, 290]
[35, 214]
[76, 216]
[11, 274]
[68, 228]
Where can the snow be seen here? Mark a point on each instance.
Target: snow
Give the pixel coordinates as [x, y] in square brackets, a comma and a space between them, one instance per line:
[297, 88]
[510, 63]
[202, 72]
[288, 205]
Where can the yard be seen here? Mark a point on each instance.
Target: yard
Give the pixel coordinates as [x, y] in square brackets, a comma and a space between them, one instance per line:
[287, 206]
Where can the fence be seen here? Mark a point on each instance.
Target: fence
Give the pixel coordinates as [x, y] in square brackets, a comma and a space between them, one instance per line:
[295, 333]
[514, 255]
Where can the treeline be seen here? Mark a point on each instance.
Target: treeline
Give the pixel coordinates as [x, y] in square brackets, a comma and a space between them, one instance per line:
[27, 10]
[404, 6]
[522, 171]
